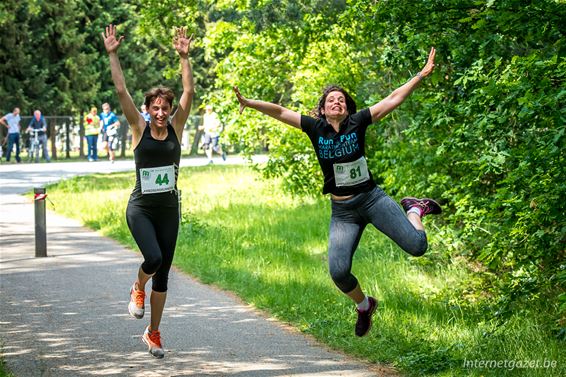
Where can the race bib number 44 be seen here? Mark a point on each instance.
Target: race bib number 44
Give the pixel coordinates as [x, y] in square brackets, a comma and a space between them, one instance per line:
[351, 173]
[156, 180]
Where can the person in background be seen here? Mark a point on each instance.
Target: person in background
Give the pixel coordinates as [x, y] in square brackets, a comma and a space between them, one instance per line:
[109, 123]
[38, 123]
[144, 113]
[12, 123]
[92, 129]
[211, 126]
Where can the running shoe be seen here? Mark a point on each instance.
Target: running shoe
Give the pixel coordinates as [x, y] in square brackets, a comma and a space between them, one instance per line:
[363, 324]
[427, 206]
[153, 341]
[136, 306]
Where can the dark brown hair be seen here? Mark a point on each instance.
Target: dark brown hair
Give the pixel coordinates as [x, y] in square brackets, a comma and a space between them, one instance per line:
[159, 92]
[350, 104]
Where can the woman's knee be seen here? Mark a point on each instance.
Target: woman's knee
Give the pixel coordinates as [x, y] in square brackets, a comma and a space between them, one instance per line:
[417, 245]
[152, 263]
[343, 278]
[159, 283]
[418, 251]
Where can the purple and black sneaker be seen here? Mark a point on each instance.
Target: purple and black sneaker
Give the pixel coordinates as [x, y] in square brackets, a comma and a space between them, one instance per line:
[426, 206]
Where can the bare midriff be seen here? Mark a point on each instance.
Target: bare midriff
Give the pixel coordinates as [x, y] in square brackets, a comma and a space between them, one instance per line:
[336, 197]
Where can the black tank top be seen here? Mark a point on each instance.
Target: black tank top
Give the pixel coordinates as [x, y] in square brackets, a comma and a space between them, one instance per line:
[155, 161]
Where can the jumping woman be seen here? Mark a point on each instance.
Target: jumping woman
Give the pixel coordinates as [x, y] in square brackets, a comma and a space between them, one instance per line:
[338, 135]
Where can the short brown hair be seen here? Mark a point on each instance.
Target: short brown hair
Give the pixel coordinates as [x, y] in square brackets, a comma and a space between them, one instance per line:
[159, 92]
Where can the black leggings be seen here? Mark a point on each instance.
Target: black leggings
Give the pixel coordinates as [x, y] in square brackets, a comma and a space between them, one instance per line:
[155, 231]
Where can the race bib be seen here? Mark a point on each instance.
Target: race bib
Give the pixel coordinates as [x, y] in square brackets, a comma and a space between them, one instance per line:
[156, 180]
[351, 173]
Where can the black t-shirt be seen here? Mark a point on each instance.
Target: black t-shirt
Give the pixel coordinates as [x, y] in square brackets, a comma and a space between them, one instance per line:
[151, 153]
[346, 146]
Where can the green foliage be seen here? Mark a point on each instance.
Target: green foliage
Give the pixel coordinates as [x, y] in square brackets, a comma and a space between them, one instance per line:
[42, 50]
[485, 133]
[53, 57]
[492, 138]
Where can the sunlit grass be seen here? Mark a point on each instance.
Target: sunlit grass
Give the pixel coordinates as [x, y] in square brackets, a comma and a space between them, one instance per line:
[246, 235]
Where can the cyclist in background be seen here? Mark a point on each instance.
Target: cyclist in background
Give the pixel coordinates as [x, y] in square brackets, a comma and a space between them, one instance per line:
[38, 123]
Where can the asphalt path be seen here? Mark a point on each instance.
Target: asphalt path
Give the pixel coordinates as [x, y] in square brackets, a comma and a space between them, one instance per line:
[66, 314]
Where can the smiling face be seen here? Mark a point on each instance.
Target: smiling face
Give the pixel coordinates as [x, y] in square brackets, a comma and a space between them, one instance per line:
[159, 110]
[335, 105]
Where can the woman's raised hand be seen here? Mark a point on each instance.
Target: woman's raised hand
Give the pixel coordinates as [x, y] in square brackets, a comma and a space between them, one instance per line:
[111, 42]
[429, 66]
[181, 43]
[244, 102]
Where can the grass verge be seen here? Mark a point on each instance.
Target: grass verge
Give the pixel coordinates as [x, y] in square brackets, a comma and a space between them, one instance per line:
[246, 235]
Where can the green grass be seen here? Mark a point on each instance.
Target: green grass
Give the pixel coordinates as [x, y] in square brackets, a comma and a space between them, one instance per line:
[246, 235]
[4, 372]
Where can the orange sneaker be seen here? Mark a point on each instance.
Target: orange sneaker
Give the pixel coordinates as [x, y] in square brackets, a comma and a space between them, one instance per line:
[153, 341]
[136, 306]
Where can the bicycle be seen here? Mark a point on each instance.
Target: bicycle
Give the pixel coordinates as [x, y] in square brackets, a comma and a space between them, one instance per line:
[35, 145]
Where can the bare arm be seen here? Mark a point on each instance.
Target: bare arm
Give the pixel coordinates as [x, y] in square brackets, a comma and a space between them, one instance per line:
[273, 110]
[183, 45]
[134, 118]
[3, 121]
[398, 96]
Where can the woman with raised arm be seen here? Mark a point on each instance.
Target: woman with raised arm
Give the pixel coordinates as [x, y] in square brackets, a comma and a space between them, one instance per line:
[153, 207]
[338, 134]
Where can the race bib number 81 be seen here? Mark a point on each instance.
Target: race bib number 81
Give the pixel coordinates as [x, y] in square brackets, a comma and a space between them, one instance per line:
[156, 180]
[351, 173]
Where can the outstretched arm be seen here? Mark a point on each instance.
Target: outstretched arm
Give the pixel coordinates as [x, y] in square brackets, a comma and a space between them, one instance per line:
[183, 45]
[389, 103]
[136, 121]
[278, 112]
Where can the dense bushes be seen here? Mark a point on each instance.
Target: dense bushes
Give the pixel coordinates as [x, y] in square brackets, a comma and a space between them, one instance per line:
[490, 136]
[485, 133]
